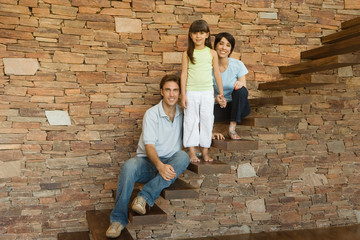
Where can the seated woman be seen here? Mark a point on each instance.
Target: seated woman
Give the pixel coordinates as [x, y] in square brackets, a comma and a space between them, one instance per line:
[234, 84]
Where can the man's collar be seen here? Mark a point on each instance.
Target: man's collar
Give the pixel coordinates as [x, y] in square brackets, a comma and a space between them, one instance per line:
[162, 112]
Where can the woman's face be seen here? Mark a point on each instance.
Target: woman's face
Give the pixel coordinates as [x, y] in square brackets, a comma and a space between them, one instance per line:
[223, 48]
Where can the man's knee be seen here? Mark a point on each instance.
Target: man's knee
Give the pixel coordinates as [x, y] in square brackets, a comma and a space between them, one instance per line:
[182, 158]
[129, 167]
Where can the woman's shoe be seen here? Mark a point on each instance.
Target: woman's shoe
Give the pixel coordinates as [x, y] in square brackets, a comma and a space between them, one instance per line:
[233, 135]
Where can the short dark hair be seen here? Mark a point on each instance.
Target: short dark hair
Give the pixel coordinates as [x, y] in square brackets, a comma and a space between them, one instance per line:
[228, 37]
[169, 78]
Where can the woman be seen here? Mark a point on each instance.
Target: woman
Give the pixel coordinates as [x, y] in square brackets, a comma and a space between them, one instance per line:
[234, 86]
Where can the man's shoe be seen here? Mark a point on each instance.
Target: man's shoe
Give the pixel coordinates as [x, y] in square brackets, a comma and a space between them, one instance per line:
[114, 230]
[139, 205]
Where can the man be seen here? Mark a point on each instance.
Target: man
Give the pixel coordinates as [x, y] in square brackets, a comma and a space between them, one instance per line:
[159, 160]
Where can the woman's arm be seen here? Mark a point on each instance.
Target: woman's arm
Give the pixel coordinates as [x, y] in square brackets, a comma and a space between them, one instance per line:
[183, 79]
[241, 82]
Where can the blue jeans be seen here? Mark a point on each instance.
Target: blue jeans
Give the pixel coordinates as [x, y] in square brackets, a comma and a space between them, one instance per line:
[140, 169]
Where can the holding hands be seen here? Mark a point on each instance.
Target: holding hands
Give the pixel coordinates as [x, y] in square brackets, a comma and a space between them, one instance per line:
[221, 100]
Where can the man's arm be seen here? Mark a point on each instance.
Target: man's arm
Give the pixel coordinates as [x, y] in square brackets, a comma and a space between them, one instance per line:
[166, 171]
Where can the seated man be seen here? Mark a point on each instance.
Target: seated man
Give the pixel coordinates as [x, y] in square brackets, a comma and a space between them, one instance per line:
[159, 160]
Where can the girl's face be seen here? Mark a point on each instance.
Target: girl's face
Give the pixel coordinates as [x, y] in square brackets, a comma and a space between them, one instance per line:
[223, 48]
[199, 38]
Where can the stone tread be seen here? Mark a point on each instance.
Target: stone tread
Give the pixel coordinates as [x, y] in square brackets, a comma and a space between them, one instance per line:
[305, 80]
[337, 48]
[341, 35]
[350, 23]
[214, 167]
[84, 235]
[321, 64]
[99, 221]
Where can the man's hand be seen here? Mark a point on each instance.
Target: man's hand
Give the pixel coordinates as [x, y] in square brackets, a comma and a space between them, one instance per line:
[167, 172]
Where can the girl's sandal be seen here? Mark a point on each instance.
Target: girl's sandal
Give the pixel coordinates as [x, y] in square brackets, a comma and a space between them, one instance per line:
[233, 135]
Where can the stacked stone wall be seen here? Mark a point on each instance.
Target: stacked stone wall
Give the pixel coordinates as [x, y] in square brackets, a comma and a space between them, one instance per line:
[101, 61]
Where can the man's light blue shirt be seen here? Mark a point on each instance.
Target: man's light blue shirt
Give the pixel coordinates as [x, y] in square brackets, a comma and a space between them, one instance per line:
[235, 69]
[158, 129]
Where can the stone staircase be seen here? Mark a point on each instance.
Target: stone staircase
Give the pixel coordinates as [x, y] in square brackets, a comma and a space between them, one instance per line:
[339, 49]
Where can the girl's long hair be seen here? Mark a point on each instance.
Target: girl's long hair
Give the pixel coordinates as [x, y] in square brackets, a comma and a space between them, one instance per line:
[197, 26]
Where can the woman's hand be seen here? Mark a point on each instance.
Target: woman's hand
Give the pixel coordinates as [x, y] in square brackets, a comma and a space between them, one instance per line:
[238, 85]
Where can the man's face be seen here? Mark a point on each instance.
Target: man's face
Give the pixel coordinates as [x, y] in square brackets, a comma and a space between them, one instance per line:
[170, 93]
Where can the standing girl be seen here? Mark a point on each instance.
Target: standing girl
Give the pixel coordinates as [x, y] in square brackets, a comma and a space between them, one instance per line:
[197, 92]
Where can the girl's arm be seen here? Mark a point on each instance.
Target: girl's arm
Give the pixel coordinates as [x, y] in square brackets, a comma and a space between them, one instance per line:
[183, 79]
[217, 73]
[221, 99]
[241, 82]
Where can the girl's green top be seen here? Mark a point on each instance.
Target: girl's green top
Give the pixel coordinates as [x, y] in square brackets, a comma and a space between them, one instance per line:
[200, 73]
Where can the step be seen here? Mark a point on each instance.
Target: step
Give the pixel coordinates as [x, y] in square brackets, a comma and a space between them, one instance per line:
[99, 221]
[306, 80]
[350, 23]
[282, 100]
[341, 47]
[267, 122]
[321, 64]
[180, 190]
[214, 167]
[154, 215]
[341, 35]
[235, 145]
[74, 235]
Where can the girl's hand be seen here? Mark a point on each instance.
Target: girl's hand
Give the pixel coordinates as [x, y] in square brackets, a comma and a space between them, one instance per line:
[238, 85]
[184, 101]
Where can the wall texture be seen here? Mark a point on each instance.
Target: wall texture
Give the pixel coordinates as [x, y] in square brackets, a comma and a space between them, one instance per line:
[101, 61]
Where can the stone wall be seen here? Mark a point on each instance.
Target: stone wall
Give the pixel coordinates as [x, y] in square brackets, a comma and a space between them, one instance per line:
[100, 61]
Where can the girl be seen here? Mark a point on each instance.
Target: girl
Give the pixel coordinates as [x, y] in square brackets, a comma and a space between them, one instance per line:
[197, 92]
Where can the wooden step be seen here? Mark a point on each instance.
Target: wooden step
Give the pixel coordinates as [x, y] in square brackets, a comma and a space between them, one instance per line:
[306, 80]
[282, 100]
[154, 215]
[269, 121]
[214, 167]
[235, 145]
[350, 23]
[322, 64]
[342, 47]
[179, 190]
[74, 235]
[99, 221]
[342, 35]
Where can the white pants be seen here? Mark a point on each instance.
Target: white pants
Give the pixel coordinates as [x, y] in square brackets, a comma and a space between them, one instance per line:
[200, 109]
